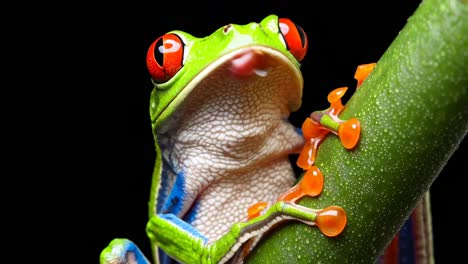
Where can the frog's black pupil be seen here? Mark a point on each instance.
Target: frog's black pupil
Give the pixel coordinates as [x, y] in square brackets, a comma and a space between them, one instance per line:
[158, 55]
[301, 34]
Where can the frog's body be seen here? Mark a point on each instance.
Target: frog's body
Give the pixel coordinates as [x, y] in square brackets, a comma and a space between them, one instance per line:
[230, 136]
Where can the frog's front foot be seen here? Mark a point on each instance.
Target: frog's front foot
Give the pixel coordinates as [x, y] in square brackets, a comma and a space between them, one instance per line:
[320, 123]
[122, 251]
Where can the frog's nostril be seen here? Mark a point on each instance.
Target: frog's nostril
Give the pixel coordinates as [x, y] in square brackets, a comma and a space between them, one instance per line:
[227, 28]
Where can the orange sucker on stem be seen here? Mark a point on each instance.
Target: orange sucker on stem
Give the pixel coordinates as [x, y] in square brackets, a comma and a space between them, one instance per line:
[312, 182]
[349, 132]
[362, 72]
[331, 221]
[256, 209]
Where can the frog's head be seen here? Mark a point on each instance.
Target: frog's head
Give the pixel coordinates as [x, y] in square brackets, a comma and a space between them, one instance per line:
[179, 62]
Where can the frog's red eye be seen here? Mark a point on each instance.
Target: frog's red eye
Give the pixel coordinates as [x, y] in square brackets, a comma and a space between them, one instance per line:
[165, 57]
[295, 38]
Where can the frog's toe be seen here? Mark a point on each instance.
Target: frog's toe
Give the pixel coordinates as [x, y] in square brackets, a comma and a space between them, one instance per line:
[349, 132]
[311, 183]
[122, 251]
[331, 220]
[362, 72]
[334, 98]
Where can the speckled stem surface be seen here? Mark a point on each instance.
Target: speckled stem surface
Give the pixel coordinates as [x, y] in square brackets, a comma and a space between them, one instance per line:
[413, 110]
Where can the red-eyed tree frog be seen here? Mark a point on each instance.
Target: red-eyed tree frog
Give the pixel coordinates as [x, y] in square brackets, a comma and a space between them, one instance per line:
[222, 177]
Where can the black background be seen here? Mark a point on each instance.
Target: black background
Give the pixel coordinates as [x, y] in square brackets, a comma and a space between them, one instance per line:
[79, 149]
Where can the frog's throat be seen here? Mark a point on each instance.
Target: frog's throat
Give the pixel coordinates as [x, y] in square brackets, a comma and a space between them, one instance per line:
[229, 141]
[274, 55]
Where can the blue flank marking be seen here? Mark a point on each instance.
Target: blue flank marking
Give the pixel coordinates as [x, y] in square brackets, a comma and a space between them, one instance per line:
[129, 246]
[163, 189]
[170, 203]
[174, 202]
[406, 242]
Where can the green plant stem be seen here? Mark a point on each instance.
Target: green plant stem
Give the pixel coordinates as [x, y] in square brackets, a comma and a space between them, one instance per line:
[413, 110]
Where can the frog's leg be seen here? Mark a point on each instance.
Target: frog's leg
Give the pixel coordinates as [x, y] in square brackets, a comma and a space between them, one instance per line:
[179, 240]
[122, 251]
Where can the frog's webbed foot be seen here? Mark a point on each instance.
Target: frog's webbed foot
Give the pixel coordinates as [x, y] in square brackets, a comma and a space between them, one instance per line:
[320, 123]
[122, 251]
[316, 127]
